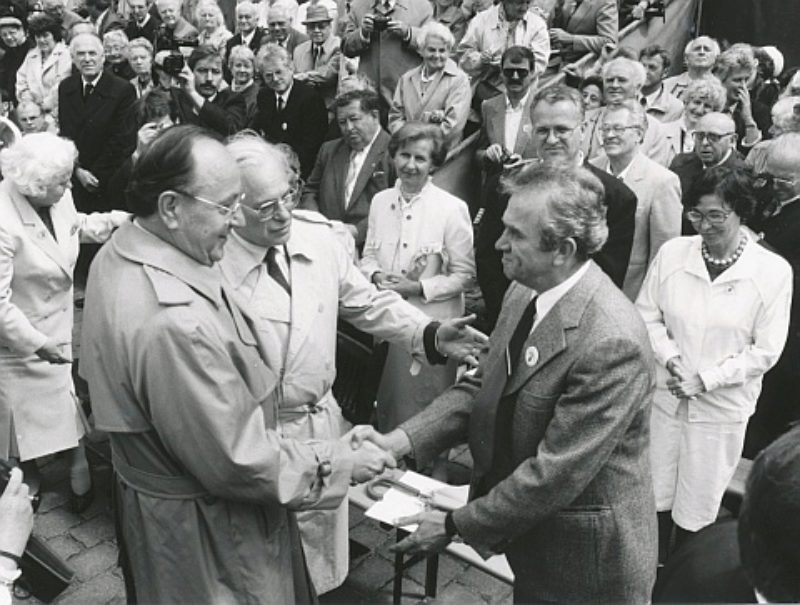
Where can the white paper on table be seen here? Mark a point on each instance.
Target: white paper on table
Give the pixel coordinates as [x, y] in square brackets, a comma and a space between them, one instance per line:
[397, 504]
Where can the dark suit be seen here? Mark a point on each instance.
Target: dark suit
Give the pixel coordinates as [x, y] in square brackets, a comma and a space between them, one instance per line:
[689, 168]
[149, 30]
[103, 128]
[302, 123]
[613, 258]
[226, 113]
[109, 21]
[324, 189]
[563, 486]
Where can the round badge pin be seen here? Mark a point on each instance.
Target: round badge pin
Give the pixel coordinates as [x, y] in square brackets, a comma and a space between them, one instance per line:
[531, 356]
[284, 126]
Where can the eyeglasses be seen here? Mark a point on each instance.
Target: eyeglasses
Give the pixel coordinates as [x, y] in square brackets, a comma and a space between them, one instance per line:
[288, 201]
[225, 210]
[615, 130]
[560, 132]
[712, 137]
[783, 182]
[714, 217]
[516, 73]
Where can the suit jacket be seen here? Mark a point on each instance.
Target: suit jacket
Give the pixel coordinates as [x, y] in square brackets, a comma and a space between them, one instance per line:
[594, 23]
[576, 515]
[226, 113]
[293, 40]
[658, 214]
[613, 257]
[384, 54]
[108, 21]
[324, 189]
[103, 128]
[324, 73]
[493, 124]
[655, 145]
[149, 30]
[302, 124]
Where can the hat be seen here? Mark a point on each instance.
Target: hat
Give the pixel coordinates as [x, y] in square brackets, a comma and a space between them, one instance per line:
[777, 58]
[317, 14]
[11, 14]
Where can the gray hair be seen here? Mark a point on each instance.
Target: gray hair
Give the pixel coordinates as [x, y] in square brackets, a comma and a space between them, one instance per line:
[634, 67]
[785, 149]
[278, 10]
[636, 113]
[434, 29]
[142, 43]
[209, 4]
[786, 114]
[576, 205]
[691, 44]
[241, 52]
[250, 150]
[85, 36]
[116, 35]
[33, 163]
[246, 4]
[707, 89]
[273, 52]
[738, 56]
[160, 3]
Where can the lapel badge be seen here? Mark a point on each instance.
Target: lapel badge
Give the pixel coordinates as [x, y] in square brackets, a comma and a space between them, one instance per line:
[531, 356]
[284, 126]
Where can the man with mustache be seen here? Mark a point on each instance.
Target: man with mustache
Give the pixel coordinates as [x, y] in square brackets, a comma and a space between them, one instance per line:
[200, 100]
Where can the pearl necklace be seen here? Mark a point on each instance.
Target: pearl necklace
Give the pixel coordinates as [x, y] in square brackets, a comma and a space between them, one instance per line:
[724, 263]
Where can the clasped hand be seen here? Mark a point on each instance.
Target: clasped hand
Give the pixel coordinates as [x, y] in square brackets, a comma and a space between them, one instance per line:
[369, 460]
[682, 383]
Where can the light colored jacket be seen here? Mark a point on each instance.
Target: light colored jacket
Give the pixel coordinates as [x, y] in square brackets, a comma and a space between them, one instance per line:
[729, 331]
[655, 144]
[36, 306]
[665, 107]
[448, 92]
[658, 214]
[39, 81]
[324, 73]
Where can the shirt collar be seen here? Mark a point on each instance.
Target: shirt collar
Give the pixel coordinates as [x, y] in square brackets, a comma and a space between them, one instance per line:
[241, 258]
[285, 95]
[624, 172]
[722, 161]
[144, 21]
[522, 102]
[246, 38]
[547, 300]
[428, 184]
[369, 145]
[92, 82]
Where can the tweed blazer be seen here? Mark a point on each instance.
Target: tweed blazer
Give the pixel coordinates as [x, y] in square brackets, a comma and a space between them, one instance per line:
[576, 517]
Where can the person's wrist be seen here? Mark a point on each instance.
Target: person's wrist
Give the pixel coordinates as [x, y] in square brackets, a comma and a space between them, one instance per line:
[450, 526]
[399, 443]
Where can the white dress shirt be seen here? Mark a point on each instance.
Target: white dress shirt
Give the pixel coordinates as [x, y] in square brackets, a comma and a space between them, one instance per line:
[513, 121]
[548, 299]
[357, 159]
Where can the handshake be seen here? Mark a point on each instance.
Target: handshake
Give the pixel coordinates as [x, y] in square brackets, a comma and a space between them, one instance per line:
[373, 452]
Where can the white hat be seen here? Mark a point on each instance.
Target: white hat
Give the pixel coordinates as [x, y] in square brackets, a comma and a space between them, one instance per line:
[777, 58]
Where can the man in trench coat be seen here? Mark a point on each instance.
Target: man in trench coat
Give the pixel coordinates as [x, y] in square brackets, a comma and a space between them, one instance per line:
[205, 484]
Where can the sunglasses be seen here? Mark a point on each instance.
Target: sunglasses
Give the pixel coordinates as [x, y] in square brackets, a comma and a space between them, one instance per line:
[516, 73]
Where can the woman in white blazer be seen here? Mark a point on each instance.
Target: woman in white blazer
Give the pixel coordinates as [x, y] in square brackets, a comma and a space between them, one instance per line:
[699, 98]
[45, 65]
[40, 233]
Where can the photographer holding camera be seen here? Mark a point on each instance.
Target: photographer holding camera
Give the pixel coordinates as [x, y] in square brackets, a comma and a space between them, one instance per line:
[16, 522]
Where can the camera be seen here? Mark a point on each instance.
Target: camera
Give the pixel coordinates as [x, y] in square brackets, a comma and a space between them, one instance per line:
[657, 8]
[380, 22]
[173, 63]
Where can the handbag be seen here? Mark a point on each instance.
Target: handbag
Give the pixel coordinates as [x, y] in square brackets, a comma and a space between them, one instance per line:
[44, 574]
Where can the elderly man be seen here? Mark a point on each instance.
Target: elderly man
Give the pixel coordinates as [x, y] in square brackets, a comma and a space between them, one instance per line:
[31, 118]
[249, 34]
[316, 61]
[557, 415]
[622, 81]
[714, 145]
[200, 99]
[658, 101]
[584, 26]
[658, 191]
[174, 28]
[493, 31]
[289, 112]
[281, 32]
[350, 170]
[307, 281]
[557, 117]
[96, 111]
[386, 38]
[206, 481]
[59, 11]
[142, 24]
[700, 55]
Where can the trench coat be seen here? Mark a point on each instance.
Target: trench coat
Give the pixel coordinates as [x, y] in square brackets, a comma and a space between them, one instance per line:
[38, 80]
[325, 285]
[206, 478]
[37, 397]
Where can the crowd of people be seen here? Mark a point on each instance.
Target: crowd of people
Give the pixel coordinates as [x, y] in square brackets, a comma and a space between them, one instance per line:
[219, 202]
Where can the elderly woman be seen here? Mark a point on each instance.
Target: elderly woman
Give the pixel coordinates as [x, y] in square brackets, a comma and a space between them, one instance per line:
[140, 57]
[785, 118]
[211, 23]
[116, 47]
[592, 92]
[45, 65]
[700, 55]
[437, 91]
[419, 244]
[242, 65]
[40, 233]
[716, 306]
[700, 97]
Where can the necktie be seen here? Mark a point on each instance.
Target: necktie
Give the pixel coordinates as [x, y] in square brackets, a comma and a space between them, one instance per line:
[279, 104]
[520, 335]
[316, 52]
[47, 219]
[274, 271]
[88, 89]
[350, 179]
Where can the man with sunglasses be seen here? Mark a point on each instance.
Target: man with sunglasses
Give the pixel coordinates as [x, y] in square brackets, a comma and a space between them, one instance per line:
[714, 145]
[293, 273]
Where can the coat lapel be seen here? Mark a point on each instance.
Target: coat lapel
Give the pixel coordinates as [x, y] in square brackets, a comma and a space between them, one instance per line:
[341, 159]
[369, 166]
[525, 127]
[578, 15]
[304, 308]
[37, 231]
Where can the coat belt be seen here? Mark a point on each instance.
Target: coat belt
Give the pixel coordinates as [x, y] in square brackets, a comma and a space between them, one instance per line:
[159, 486]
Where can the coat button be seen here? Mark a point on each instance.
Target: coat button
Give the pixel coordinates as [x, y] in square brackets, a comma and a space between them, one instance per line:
[408, 217]
[405, 245]
[392, 206]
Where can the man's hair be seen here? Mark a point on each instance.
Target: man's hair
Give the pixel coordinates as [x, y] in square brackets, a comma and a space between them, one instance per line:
[707, 89]
[367, 99]
[786, 150]
[636, 113]
[201, 53]
[419, 131]
[576, 205]
[786, 114]
[555, 94]
[734, 186]
[518, 54]
[245, 4]
[154, 105]
[85, 36]
[769, 521]
[634, 67]
[738, 56]
[167, 163]
[691, 43]
[655, 50]
[273, 52]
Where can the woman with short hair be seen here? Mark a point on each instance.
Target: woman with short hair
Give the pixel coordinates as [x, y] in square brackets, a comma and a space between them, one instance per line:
[211, 23]
[140, 57]
[242, 65]
[716, 306]
[116, 48]
[699, 98]
[437, 91]
[40, 233]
